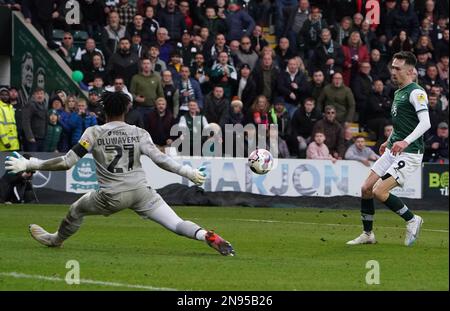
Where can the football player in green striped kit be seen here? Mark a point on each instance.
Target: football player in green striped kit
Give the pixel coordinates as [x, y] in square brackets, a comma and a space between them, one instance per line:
[402, 153]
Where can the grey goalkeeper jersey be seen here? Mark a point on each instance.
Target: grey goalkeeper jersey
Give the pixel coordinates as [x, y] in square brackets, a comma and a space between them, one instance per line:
[117, 148]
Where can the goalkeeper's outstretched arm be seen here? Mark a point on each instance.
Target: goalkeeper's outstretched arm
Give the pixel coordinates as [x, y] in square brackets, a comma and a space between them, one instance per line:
[62, 163]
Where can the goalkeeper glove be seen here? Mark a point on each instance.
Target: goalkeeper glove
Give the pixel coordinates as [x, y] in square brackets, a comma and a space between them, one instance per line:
[16, 163]
[197, 176]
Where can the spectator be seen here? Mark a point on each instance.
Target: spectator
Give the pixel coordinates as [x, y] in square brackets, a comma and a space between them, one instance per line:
[387, 131]
[362, 87]
[9, 140]
[348, 137]
[17, 188]
[359, 152]
[174, 66]
[292, 85]
[164, 45]
[333, 131]
[111, 35]
[279, 116]
[265, 77]
[259, 111]
[316, 85]
[212, 54]
[190, 90]
[232, 115]
[67, 50]
[201, 73]
[431, 78]
[56, 104]
[343, 30]
[355, 53]
[424, 43]
[223, 74]
[95, 108]
[18, 109]
[173, 20]
[96, 70]
[318, 150]
[404, 18]
[93, 16]
[187, 49]
[211, 21]
[437, 150]
[328, 55]
[35, 122]
[283, 53]
[257, 38]
[245, 54]
[195, 129]
[302, 125]
[379, 67]
[41, 14]
[239, 22]
[387, 19]
[379, 108]
[246, 88]
[54, 131]
[442, 45]
[401, 42]
[158, 65]
[442, 67]
[160, 122]
[80, 120]
[368, 37]
[309, 36]
[423, 61]
[123, 62]
[295, 17]
[126, 12]
[151, 25]
[437, 114]
[340, 97]
[171, 93]
[146, 88]
[215, 105]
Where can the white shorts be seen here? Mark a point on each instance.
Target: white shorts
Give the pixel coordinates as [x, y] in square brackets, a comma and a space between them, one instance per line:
[400, 166]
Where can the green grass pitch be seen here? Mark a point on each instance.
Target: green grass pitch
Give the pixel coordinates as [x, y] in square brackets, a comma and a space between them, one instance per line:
[276, 249]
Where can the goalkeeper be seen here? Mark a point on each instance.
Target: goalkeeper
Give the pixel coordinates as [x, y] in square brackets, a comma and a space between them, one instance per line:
[116, 148]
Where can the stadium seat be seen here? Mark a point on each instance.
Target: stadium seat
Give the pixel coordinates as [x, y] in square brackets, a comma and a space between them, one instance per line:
[58, 34]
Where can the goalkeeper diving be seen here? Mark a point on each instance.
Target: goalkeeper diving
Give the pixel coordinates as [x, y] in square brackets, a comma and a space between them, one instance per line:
[116, 148]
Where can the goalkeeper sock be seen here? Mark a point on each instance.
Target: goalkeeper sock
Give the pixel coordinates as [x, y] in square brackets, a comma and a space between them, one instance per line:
[396, 205]
[200, 234]
[367, 212]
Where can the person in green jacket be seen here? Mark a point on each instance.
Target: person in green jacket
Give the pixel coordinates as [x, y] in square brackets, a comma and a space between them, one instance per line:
[54, 131]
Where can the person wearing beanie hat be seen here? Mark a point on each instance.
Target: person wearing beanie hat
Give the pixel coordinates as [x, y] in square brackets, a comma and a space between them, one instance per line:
[8, 131]
[54, 131]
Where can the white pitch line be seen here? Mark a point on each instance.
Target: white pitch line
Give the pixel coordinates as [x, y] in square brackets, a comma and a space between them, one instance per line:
[82, 281]
[325, 224]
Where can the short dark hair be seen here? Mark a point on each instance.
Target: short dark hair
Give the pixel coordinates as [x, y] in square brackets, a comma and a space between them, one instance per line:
[114, 103]
[410, 58]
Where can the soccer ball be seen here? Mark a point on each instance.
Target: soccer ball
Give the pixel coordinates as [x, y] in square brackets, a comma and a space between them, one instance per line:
[260, 161]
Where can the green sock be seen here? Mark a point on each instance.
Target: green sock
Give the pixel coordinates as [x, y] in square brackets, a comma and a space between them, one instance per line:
[396, 205]
[367, 212]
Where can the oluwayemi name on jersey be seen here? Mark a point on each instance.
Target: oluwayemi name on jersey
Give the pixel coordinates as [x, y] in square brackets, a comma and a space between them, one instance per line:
[117, 140]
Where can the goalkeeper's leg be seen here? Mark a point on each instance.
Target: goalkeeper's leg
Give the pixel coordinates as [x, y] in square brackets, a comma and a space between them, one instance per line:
[92, 203]
[157, 210]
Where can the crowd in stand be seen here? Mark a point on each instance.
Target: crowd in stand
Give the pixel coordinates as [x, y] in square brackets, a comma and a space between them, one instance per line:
[209, 58]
